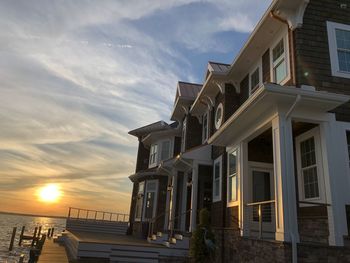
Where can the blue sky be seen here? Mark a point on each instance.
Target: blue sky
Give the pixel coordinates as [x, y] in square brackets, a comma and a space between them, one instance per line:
[76, 76]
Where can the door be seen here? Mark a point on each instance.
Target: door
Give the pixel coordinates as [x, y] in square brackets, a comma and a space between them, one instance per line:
[150, 199]
[262, 192]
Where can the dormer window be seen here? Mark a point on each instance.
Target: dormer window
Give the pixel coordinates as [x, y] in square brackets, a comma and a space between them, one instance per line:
[153, 154]
[165, 150]
[205, 127]
[279, 64]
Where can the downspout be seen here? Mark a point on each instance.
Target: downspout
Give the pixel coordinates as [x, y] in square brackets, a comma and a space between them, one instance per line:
[295, 103]
[292, 50]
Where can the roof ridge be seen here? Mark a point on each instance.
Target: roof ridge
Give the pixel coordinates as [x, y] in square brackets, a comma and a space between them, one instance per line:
[185, 82]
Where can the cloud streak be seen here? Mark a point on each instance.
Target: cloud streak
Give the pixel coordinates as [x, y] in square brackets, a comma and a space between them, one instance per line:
[76, 76]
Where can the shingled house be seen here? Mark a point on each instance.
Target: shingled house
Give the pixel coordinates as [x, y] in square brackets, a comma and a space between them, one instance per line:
[263, 143]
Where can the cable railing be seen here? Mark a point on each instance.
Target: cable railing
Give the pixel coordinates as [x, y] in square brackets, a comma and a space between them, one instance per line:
[96, 215]
[262, 214]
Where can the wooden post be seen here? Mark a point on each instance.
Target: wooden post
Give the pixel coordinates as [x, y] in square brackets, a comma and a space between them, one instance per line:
[69, 212]
[34, 236]
[39, 232]
[48, 232]
[21, 259]
[12, 238]
[52, 229]
[21, 236]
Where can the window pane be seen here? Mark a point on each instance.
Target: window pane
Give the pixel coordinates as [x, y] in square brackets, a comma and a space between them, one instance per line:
[307, 152]
[254, 79]
[232, 159]
[165, 150]
[343, 38]
[216, 187]
[278, 50]
[217, 170]
[205, 126]
[232, 188]
[280, 72]
[344, 60]
[310, 182]
[141, 187]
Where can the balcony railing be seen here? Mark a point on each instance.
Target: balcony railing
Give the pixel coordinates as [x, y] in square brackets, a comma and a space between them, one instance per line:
[262, 214]
[95, 215]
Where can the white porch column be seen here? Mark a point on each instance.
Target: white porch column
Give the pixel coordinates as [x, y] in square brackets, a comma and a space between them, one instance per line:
[194, 196]
[184, 202]
[173, 200]
[284, 178]
[167, 203]
[335, 173]
[243, 189]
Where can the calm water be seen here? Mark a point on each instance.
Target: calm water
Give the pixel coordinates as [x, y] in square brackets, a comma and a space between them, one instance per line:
[7, 222]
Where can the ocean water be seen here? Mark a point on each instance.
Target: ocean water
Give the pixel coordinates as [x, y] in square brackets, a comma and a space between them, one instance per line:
[7, 222]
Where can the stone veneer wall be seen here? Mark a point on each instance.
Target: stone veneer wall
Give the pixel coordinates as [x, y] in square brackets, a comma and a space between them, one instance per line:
[241, 249]
[313, 229]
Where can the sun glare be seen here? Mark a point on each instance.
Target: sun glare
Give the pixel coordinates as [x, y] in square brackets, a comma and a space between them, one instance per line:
[49, 193]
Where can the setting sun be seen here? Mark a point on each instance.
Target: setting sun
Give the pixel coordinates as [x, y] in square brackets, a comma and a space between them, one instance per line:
[49, 193]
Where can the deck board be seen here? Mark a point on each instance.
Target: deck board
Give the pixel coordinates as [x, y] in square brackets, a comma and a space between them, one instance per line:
[53, 252]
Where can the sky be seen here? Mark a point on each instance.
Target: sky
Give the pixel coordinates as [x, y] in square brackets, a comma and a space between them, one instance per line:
[76, 76]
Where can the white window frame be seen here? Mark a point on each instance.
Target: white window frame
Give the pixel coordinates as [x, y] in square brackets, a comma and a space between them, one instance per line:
[233, 202]
[217, 198]
[153, 161]
[216, 121]
[140, 195]
[320, 173]
[333, 48]
[145, 197]
[205, 138]
[259, 67]
[283, 35]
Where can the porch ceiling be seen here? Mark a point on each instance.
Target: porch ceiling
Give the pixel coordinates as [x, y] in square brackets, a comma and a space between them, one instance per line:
[271, 99]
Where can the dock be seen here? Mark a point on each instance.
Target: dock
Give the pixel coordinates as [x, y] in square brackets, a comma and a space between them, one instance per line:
[53, 253]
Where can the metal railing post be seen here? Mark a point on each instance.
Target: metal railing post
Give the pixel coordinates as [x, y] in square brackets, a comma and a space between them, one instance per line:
[69, 212]
[95, 215]
[78, 214]
[260, 221]
[87, 214]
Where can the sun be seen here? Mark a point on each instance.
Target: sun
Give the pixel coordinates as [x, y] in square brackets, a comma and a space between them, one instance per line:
[49, 193]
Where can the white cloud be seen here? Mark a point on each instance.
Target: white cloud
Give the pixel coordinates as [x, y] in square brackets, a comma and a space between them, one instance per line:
[75, 76]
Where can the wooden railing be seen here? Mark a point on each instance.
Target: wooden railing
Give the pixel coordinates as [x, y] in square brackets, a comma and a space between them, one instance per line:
[87, 214]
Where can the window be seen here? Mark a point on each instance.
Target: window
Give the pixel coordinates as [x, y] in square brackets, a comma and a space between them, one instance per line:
[339, 48]
[165, 150]
[309, 166]
[218, 116]
[232, 177]
[205, 127]
[139, 199]
[217, 180]
[183, 139]
[279, 64]
[254, 80]
[153, 154]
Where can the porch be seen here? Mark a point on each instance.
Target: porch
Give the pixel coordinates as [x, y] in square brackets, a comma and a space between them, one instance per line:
[284, 143]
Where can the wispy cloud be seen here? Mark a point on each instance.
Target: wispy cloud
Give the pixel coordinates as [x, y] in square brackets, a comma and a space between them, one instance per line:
[75, 76]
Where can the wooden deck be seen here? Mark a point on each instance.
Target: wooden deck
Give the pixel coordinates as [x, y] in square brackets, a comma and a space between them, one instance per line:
[53, 253]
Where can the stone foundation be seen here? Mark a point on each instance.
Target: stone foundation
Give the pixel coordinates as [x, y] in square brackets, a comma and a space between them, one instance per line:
[234, 248]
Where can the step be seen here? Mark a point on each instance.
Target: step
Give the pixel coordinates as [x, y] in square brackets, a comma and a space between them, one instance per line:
[133, 254]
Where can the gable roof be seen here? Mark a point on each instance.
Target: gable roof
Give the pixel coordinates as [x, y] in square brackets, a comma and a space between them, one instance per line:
[217, 67]
[186, 93]
[156, 126]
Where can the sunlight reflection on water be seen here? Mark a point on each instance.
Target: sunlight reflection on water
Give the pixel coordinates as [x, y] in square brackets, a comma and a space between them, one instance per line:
[7, 222]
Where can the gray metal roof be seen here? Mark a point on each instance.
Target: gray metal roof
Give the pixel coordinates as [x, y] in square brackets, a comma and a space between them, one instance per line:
[218, 67]
[188, 90]
[156, 126]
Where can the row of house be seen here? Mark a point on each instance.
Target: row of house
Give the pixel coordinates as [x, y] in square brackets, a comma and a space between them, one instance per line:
[262, 143]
